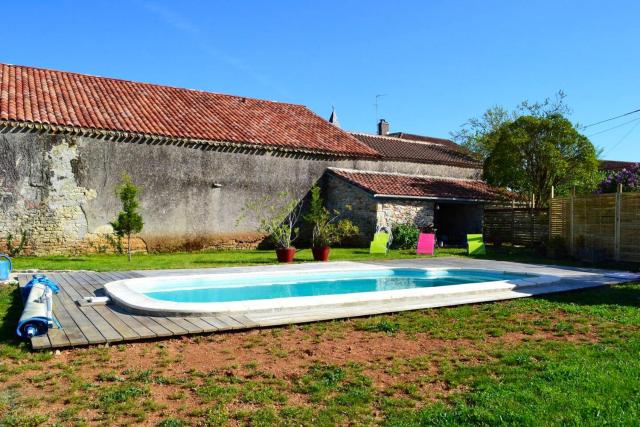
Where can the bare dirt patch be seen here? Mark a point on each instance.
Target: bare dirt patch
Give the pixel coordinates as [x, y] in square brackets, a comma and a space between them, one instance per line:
[173, 370]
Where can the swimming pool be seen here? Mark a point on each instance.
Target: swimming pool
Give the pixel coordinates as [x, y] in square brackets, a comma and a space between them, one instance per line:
[286, 288]
[226, 289]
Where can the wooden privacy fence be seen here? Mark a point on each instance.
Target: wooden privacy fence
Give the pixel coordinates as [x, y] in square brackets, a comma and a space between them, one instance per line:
[518, 226]
[598, 226]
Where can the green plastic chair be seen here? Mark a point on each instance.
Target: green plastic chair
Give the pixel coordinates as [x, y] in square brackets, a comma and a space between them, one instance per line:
[475, 244]
[380, 243]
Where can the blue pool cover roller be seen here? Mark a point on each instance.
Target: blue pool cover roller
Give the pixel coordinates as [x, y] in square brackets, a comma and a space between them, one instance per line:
[37, 315]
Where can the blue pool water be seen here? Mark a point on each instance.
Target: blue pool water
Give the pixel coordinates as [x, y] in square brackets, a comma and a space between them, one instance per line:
[228, 288]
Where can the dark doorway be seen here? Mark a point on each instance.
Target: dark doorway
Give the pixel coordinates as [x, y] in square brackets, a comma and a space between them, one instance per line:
[453, 221]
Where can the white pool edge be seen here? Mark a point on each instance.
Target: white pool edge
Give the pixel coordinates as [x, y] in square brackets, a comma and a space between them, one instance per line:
[126, 293]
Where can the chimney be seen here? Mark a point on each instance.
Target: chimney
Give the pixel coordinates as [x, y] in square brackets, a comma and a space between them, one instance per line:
[383, 127]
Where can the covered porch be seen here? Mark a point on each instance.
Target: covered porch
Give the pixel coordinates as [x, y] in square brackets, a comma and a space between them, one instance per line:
[453, 206]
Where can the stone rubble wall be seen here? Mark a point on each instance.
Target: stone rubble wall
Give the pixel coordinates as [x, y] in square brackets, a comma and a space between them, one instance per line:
[39, 194]
[368, 213]
[397, 211]
[353, 203]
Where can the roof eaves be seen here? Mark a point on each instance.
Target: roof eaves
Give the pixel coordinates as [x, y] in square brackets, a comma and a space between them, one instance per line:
[449, 199]
[117, 135]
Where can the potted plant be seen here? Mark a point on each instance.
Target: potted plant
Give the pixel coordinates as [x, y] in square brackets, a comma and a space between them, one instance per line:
[327, 229]
[277, 216]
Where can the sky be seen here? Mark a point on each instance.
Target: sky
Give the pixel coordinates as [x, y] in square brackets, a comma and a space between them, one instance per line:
[436, 63]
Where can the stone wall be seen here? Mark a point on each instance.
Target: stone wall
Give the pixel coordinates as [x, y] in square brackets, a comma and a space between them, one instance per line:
[61, 189]
[354, 203]
[39, 193]
[398, 211]
[368, 212]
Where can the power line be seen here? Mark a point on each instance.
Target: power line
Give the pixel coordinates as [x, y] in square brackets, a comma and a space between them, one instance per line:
[623, 138]
[615, 127]
[612, 118]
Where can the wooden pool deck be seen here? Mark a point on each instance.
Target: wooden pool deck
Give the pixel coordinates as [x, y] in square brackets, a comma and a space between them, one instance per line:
[101, 324]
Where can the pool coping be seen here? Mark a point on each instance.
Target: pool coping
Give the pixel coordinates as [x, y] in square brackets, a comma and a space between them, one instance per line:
[124, 294]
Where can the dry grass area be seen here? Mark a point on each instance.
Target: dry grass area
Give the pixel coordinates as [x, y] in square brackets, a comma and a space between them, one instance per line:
[569, 358]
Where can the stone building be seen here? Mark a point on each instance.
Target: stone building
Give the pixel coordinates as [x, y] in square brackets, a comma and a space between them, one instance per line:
[66, 139]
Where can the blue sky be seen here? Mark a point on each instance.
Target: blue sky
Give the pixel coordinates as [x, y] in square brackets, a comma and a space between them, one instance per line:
[438, 63]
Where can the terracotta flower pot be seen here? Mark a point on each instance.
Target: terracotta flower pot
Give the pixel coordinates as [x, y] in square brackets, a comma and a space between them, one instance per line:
[285, 254]
[321, 254]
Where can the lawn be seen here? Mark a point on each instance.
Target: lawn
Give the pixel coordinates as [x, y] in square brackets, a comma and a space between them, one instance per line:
[114, 262]
[565, 359]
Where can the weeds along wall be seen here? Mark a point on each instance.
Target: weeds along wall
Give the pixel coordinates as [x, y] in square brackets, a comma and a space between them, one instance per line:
[61, 190]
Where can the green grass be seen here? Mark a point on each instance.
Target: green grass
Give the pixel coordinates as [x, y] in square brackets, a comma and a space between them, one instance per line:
[113, 262]
[547, 379]
[564, 359]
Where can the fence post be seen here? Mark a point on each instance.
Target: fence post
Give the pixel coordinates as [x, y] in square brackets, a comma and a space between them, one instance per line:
[616, 237]
[550, 212]
[571, 239]
[513, 225]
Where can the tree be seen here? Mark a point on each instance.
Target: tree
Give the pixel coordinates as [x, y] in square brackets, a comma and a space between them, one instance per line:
[129, 221]
[534, 153]
[476, 133]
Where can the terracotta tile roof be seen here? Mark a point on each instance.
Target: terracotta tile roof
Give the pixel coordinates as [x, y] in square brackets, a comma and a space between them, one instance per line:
[417, 186]
[424, 138]
[71, 100]
[394, 148]
[615, 165]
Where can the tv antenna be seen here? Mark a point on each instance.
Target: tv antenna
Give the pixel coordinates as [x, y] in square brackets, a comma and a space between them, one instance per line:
[376, 104]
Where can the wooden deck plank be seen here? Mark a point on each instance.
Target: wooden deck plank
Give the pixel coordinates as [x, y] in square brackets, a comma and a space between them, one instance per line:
[185, 324]
[93, 313]
[211, 321]
[243, 320]
[205, 326]
[160, 326]
[90, 332]
[148, 323]
[127, 333]
[231, 323]
[124, 322]
[152, 324]
[40, 342]
[57, 337]
[167, 327]
[69, 327]
[133, 323]
[174, 328]
[215, 321]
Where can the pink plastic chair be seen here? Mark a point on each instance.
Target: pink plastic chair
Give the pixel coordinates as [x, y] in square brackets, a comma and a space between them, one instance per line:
[426, 243]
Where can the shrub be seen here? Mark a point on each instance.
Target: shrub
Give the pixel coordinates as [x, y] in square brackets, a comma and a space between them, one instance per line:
[277, 216]
[405, 236]
[629, 178]
[14, 250]
[327, 230]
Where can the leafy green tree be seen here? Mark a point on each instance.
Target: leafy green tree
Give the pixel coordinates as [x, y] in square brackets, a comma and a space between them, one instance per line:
[129, 221]
[477, 133]
[534, 153]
